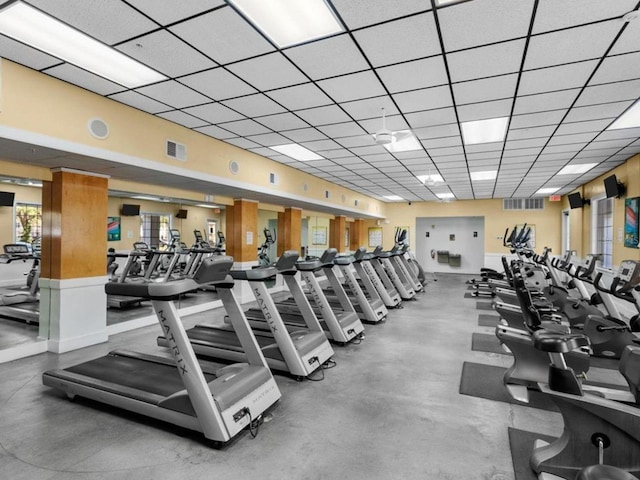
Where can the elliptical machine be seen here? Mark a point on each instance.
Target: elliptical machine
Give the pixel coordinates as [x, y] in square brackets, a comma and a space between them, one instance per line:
[263, 255]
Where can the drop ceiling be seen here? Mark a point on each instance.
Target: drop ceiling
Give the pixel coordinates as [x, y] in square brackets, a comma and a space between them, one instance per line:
[562, 71]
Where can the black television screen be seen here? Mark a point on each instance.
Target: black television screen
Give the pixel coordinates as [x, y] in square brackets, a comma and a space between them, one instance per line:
[129, 210]
[6, 199]
[181, 214]
[612, 187]
[575, 200]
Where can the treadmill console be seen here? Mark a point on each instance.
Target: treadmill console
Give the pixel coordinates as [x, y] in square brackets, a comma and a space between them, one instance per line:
[16, 249]
[629, 272]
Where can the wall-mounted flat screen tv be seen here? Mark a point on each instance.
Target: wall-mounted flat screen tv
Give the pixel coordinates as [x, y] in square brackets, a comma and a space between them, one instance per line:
[129, 210]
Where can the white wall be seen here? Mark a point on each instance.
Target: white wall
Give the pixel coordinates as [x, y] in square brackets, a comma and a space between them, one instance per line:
[440, 229]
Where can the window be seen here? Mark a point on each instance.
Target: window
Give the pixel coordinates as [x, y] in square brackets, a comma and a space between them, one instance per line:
[28, 222]
[604, 231]
[154, 229]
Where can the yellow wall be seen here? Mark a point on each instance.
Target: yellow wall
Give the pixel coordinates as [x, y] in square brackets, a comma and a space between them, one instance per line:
[34, 102]
[629, 174]
[547, 222]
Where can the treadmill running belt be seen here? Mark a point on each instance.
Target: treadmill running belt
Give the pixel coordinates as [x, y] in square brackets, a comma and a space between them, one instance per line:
[159, 379]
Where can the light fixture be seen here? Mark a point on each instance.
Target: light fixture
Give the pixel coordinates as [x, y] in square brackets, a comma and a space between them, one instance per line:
[206, 205]
[445, 196]
[297, 152]
[43, 32]
[484, 131]
[547, 191]
[576, 169]
[431, 179]
[442, 3]
[393, 198]
[484, 175]
[629, 119]
[290, 22]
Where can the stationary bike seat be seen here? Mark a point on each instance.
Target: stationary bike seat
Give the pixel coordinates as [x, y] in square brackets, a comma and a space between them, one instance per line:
[603, 472]
[558, 342]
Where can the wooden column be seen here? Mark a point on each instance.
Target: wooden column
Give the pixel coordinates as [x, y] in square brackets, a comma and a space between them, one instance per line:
[292, 229]
[338, 228]
[244, 225]
[73, 267]
[358, 237]
[280, 240]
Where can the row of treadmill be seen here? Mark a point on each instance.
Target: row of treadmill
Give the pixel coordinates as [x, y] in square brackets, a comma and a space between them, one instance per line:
[558, 318]
[217, 378]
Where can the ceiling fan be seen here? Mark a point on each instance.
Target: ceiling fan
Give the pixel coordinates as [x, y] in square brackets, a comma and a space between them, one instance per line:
[384, 136]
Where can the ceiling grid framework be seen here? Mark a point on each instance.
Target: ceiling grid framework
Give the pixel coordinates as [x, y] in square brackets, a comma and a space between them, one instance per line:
[561, 72]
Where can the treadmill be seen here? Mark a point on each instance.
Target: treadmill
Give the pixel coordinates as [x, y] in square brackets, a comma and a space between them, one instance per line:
[219, 402]
[383, 262]
[369, 309]
[21, 304]
[340, 325]
[371, 272]
[299, 351]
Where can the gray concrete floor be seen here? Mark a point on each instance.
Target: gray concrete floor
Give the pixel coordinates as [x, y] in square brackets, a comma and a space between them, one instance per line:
[390, 409]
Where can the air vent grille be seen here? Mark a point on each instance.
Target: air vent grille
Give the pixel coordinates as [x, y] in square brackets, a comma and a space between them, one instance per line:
[523, 204]
[176, 150]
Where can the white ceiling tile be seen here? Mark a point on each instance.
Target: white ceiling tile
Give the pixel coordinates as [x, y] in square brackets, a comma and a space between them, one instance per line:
[485, 61]
[397, 41]
[174, 94]
[347, 129]
[621, 67]
[215, 132]
[617, 143]
[244, 127]
[340, 153]
[301, 96]
[580, 127]
[358, 13]
[268, 71]
[269, 139]
[370, 108]
[439, 152]
[323, 115]
[629, 40]
[356, 141]
[556, 78]
[621, 133]
[224, 46]
[485, 147]
[352, 87]
[431, 118]
[594, 112]
[82, 78]
[165, 13]
[317, 145]
[537, 119]
[480, 22]
[553, 15]
[437, 131]
[545, 101]
[166, 53]
[422, 73]
[254, 105]
[567, 149]
[214, 113]
[531, 132]
[20, 53]
[610, 92]
[475, 156]
[242, 143]
[304, 135]
[442, 142]
[425, 99]
[282, 121]
[572, 45]
[136, 100]
[218, 84]
[484, 110]
[328, 57]
[493, 88]
[580, 138]
[116, 22]
[182, 118]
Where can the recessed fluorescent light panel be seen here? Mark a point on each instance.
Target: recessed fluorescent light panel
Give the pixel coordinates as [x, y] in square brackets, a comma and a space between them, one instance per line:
[393, 198]
[547, 191]
[629, 119]
[485, 175]
[206, 205]
[431, 179]
[403, 141]
[484, 131]
[297, 152]
[576, 169]
[442, 3]
[445, 196]
[38, 30]
[290, 22]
